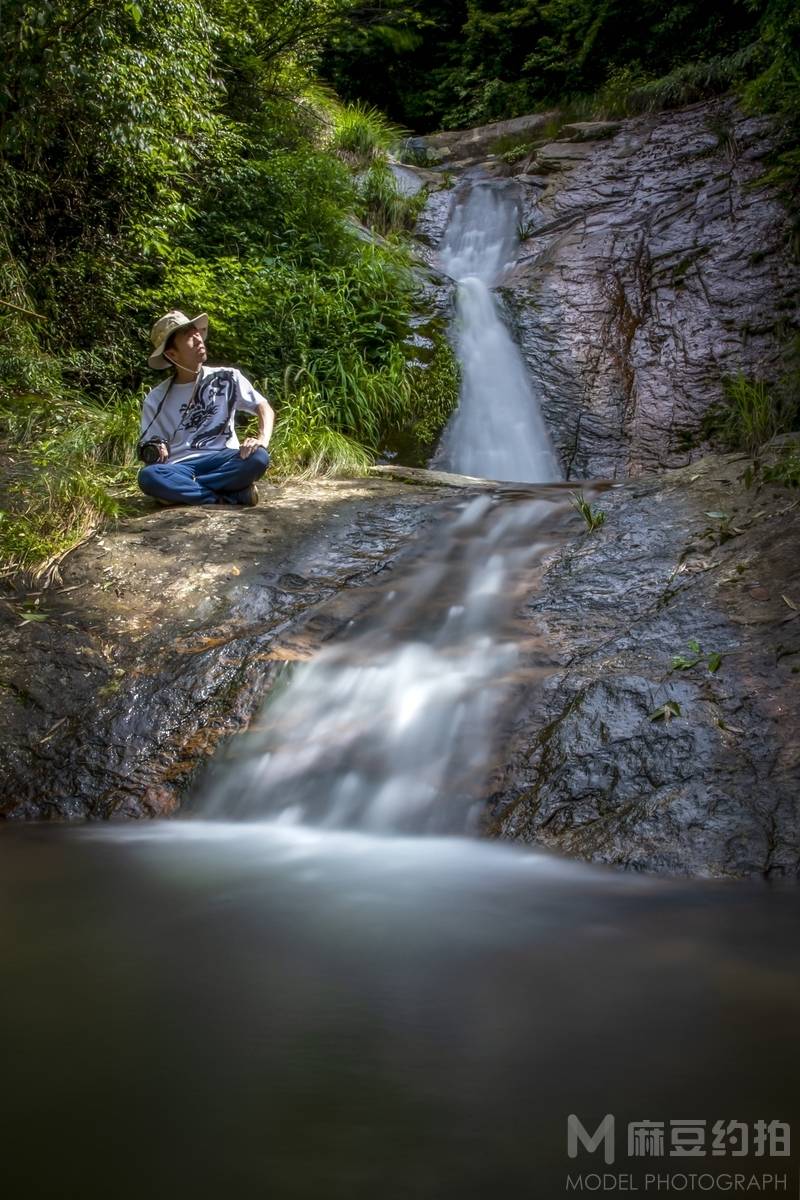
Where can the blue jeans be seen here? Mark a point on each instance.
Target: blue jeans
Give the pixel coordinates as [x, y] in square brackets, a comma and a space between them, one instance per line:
[216, 478]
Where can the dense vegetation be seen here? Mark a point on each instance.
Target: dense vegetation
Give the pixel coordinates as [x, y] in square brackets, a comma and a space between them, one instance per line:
[183, 153]
[180, 153]
[451, 63]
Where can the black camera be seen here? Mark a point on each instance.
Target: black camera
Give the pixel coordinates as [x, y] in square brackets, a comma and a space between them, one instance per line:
[150, 452]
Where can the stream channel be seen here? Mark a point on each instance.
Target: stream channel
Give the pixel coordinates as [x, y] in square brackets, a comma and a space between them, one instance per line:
[316, 983]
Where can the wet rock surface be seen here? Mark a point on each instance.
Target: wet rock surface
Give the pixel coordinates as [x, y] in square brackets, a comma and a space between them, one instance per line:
[624, 759]
[168, 631]
[469, 145]
[164, 634]
[655, 266]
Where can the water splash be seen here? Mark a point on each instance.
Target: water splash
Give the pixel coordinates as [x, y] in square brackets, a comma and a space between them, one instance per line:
[497, 431]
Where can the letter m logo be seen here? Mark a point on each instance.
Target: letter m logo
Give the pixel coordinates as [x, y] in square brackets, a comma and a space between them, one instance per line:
[590, 1141]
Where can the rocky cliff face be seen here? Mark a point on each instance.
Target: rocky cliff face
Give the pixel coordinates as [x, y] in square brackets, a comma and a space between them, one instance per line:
[667, 739]
[653, 266]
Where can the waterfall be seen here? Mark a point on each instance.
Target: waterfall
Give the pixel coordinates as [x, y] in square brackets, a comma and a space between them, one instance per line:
[393, 728]
[497, 431]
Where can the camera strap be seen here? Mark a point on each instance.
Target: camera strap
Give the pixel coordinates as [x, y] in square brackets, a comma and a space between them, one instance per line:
[161, 404]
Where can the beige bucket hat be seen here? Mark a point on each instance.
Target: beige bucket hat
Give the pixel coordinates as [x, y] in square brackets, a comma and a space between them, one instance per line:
[163, 329]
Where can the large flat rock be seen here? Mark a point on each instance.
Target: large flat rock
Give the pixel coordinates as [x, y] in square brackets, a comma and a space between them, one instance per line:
[168, 628]
[473, 144]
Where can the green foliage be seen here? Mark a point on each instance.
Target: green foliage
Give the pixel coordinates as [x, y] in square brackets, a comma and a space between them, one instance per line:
[304, 443]
[73, 466]
[386, 54]
[104, 116]
[776, 89]
[594, 517]
[777, 86]
[628, 91]
[752, 414]
[281, 203]
[696, 657]
[416, 156]
[665, 712]
[512, 147]
[386, 209]
[435, 395]
[723, 528]
[785, 470]
[432, 400]
[485, 60]
[363, 133]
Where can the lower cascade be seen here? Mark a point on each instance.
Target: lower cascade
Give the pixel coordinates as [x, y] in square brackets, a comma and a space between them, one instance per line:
[393, 728]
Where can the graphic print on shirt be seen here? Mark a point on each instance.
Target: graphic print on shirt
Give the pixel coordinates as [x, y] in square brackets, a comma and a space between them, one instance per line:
[209, 412]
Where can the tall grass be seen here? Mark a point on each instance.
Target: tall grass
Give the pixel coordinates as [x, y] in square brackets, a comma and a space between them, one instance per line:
[753, 414]
[360, 398]
[72, 467]
[362, 133]
[387, 210]
[305, 444]
[629, 92]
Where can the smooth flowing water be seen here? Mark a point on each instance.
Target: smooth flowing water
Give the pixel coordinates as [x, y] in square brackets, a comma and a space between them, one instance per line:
[497, 431]
[284, 994]
[393, 727]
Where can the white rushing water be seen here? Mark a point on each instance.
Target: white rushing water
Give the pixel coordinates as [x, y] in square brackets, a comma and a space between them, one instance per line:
[497, 431]
[392, 728]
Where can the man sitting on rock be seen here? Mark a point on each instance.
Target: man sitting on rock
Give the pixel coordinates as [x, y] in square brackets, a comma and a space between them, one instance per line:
[188, 438]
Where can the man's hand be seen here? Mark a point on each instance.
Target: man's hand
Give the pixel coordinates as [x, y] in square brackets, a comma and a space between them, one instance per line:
[248, 446]
[163, 453]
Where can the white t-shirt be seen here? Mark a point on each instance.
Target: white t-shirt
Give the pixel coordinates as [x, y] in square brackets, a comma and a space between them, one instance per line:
[197, 418]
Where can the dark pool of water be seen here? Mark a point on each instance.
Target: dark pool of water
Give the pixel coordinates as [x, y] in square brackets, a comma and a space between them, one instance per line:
[203, 1009]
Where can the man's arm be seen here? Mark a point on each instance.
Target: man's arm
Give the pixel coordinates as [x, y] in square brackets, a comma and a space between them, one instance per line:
[266, 420]
[149, 428]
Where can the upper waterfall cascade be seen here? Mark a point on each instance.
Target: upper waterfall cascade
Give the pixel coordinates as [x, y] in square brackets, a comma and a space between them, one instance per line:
[497, 431]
